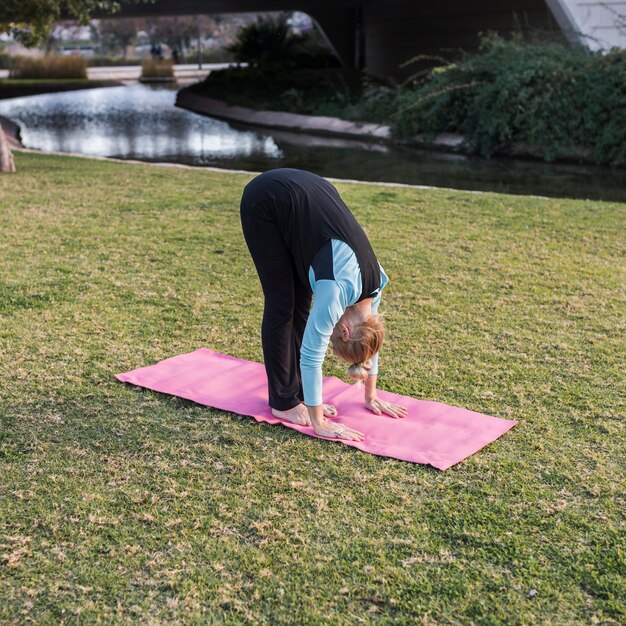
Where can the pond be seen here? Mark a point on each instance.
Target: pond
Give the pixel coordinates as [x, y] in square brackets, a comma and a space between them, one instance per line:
[143, 123]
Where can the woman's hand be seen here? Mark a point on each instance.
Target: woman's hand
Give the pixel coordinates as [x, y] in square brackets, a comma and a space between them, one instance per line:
[326, 428]
[330, 410]
[378, 406]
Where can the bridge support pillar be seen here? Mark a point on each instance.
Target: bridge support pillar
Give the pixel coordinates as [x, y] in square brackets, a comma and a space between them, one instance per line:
[343, 29]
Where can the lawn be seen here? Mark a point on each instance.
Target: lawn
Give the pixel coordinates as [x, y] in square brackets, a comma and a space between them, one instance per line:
[119, 505]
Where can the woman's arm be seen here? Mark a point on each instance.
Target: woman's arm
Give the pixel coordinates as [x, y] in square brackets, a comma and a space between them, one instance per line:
[372, 402]
[370, 387]
[328, 307]
[325, 312]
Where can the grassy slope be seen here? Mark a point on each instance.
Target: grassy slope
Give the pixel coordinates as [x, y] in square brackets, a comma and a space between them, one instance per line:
[124, 505]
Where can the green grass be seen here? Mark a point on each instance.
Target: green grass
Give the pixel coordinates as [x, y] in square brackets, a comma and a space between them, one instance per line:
[119, 505]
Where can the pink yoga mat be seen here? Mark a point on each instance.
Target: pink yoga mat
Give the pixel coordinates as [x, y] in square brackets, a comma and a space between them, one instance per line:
[432, 433]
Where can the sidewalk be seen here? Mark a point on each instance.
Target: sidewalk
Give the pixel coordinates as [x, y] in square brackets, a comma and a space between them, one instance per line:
[186, 72]
[133, 72]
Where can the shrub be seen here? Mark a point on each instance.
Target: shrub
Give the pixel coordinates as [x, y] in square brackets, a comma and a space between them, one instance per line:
[279, 88]
[50, 67]
[553, 99]
[270, 41]
[107, 61]
[157, 68]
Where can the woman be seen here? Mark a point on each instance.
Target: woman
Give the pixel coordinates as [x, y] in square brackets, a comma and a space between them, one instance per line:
[304, 241]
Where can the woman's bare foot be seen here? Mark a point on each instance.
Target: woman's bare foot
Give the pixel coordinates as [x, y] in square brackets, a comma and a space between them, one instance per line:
[330, 410]
[299, 414]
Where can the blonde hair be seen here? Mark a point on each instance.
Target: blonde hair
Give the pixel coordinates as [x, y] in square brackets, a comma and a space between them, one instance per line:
[364, 342]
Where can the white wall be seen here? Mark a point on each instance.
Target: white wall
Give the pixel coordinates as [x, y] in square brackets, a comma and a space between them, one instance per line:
[598, 24]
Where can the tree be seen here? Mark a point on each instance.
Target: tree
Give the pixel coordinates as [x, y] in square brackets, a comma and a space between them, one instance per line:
[268, 40]
[178, 31]
[119, 32]
[30, 22]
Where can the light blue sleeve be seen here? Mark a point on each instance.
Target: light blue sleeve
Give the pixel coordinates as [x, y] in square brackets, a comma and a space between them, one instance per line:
[328, 306]
[375, 303]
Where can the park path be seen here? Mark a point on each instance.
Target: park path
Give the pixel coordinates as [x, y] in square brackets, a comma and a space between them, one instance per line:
[184, 72]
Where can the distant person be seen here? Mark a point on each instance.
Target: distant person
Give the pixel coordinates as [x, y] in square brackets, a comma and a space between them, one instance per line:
[154, 53]
[175, 56]
[159, 51]
[305, 242]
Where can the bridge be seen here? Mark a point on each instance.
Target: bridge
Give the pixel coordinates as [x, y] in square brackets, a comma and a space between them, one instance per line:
[380, 35]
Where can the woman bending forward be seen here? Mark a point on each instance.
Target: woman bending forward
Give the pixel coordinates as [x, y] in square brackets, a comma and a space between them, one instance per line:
[305, 242]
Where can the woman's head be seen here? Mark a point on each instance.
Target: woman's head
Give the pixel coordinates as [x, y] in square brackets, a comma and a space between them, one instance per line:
[357, 343]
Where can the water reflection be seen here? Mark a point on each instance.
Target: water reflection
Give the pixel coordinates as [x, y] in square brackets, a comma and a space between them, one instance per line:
[133, 122]
[141, 122]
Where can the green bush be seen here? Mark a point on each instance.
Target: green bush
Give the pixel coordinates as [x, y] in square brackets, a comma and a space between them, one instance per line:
[556, 101]
[49, 67]
[107, 61]
[270, 41]
[157, 68]
[275, 87]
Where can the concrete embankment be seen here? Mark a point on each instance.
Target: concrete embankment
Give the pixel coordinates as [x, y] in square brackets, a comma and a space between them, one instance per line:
[318, 125]
[310, 124]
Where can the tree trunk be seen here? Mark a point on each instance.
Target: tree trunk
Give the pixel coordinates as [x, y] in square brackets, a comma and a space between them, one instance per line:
[6, 157]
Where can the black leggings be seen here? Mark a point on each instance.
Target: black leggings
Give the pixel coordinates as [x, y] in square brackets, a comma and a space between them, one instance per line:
[287, 304]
